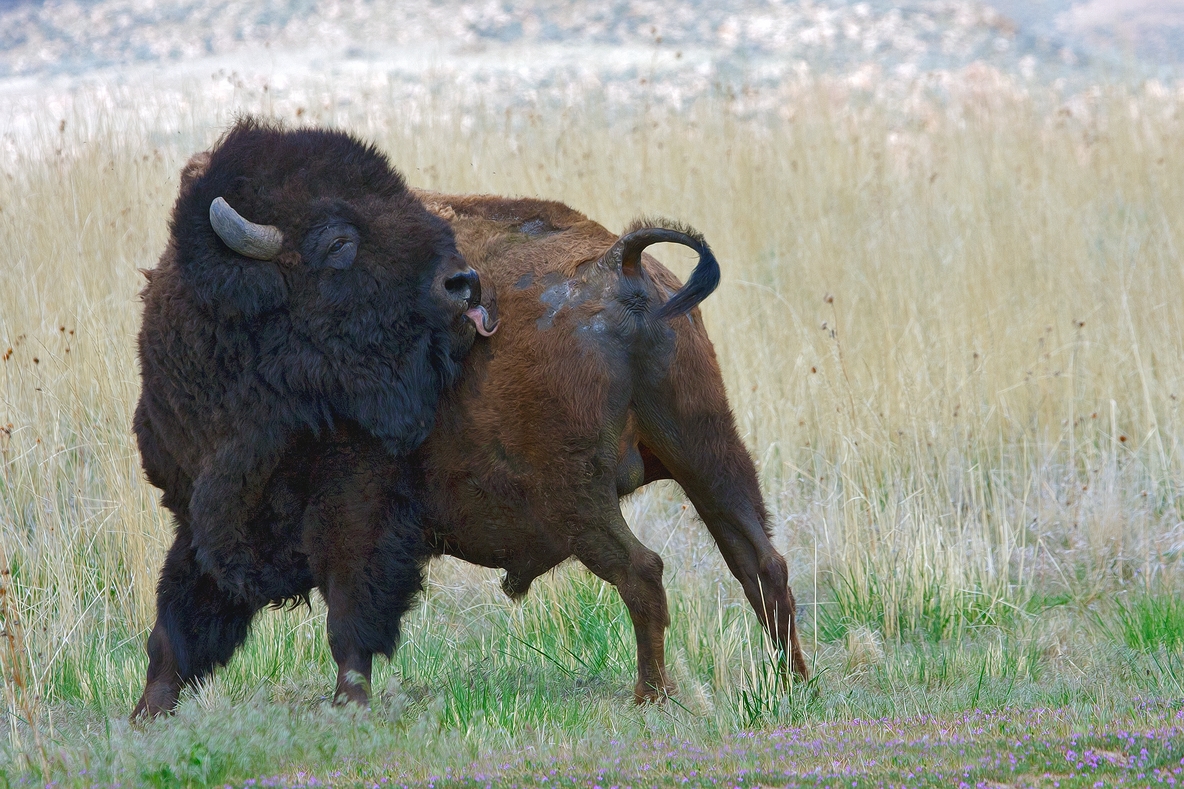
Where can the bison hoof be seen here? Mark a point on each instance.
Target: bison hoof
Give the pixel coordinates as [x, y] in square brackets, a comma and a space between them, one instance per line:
[160, 698]
[351, 695]
[647, 693]
[352, 688]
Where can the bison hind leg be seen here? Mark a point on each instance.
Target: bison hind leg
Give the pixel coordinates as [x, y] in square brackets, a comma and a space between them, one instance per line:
[609, 549]
[708, 460]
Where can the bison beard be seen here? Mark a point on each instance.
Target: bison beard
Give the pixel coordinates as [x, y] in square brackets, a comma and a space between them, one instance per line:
[340, 313]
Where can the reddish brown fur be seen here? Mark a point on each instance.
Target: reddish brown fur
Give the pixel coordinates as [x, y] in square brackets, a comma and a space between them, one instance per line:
[579, 399]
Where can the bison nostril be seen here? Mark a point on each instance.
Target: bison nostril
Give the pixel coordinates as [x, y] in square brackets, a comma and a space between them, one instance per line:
[465, 286]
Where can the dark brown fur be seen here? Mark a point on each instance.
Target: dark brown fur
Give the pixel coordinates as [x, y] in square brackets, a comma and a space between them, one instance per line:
[584, 395]
[254, 370]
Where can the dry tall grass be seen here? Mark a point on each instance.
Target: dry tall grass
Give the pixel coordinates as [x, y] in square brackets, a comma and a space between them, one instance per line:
[952, 334]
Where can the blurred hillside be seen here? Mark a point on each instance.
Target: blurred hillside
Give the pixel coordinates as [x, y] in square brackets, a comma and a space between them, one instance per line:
[695, 46]
[366, 64]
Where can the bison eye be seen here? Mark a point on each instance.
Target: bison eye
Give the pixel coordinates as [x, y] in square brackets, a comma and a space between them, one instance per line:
[331, 246]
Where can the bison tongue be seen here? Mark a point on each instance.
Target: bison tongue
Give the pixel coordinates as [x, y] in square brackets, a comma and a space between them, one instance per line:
[480, 319]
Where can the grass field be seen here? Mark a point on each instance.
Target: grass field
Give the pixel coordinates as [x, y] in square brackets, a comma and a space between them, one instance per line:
[953, 335]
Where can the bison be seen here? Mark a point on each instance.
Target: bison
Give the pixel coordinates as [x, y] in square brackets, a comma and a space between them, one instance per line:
[290, 363]
[601, 380]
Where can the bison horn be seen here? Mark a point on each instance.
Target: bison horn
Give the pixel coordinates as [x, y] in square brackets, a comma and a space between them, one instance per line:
[261, 242]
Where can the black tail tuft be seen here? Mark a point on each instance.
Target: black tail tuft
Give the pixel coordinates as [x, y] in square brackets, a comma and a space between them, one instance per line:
[704, 280]
[643, 232]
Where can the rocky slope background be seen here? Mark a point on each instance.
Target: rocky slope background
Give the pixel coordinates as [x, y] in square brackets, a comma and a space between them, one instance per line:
[625, 51]
[78, 36]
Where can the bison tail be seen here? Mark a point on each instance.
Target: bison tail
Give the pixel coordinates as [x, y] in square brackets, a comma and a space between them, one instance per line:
[704, 279]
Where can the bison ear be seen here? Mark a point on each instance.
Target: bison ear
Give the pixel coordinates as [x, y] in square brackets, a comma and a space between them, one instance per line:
[194, 169]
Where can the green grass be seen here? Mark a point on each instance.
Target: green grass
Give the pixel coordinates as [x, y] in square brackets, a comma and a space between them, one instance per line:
[483, 686]
[909, 607]
[1148, 622]
[926, 713]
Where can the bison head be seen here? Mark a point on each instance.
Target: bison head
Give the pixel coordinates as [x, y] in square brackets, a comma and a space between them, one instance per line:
[308, 250]
[315, 221]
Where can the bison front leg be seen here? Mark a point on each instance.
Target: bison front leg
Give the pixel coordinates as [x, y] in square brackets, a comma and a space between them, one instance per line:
[226, 495]
[366, 608]
[365, 544]
[354, 667]
[354, 659]
[611, 550]
[198, 627]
